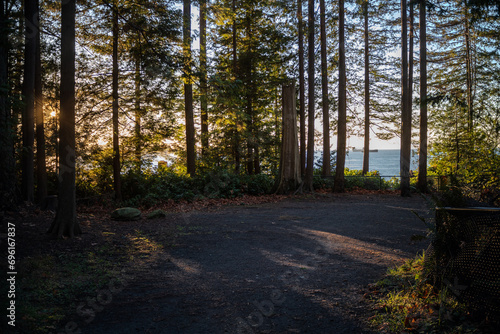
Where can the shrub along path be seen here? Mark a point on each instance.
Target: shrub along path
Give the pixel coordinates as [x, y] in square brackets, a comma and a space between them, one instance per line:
[295, 266]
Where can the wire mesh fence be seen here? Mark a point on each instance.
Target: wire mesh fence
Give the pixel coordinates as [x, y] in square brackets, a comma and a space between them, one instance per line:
[465, 257]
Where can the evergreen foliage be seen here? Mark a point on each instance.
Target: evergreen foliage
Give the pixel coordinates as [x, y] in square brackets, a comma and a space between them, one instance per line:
[251, 50]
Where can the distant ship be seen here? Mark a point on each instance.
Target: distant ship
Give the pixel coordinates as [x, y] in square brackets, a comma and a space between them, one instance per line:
[362, 150]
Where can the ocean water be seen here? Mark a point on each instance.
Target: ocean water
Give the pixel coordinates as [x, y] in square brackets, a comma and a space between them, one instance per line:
[384, 161]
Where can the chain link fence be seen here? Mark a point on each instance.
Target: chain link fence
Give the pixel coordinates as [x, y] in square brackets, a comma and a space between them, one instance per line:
[465, 257]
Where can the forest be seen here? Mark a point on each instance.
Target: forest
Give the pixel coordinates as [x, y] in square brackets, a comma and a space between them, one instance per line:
[142, 101]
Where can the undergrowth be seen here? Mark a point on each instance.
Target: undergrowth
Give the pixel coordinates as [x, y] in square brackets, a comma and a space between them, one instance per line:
[405, 301]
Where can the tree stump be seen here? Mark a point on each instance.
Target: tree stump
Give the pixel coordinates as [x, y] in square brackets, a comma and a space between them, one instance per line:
[289, 173]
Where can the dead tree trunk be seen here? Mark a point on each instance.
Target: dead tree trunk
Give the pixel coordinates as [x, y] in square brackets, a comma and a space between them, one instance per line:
[289, 174]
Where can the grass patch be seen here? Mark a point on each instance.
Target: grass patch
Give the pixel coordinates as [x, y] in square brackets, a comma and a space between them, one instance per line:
[405, 301]
[49, 286]
[52, 286]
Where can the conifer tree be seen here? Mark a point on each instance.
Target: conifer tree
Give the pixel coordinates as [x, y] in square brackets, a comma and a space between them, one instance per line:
[65, 223]
[342, 118]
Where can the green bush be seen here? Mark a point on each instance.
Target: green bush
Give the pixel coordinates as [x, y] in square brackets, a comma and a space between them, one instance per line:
[258, 184]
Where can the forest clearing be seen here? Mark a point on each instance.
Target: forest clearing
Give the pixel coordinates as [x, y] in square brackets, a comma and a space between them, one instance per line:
[207, 116]
[202, 271]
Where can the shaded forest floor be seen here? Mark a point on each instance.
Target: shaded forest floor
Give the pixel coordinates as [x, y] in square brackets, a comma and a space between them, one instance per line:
[270, 264]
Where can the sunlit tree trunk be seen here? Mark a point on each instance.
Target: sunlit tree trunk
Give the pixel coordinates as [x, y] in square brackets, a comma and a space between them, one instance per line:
[366, 152]
[41, 168]
[188, 90]
[324, 94]
[405, 113]
[65, 223]
[289, 170]
[203, 78]
[338, 185]
[116, 144]
[302, 94]
[28, 120]
[422, 157]
[308, 180]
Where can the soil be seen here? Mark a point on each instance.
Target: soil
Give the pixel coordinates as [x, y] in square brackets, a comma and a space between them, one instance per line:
[292, 265]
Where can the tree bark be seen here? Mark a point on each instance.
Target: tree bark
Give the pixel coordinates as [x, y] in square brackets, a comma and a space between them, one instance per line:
[468, 62]
[410, 77]
[302, 94]
[65, 223]
[236, 139]
[422, 156]
[116, 143]
[203, 78]
[188, 90]
[289, 172]
[308, 180]
[366, 151]
[41, 168]
[405, 113]
[8, 194]
[138, 113]
[324, 94]
[247, 69]
[28, 120]
[338, 185]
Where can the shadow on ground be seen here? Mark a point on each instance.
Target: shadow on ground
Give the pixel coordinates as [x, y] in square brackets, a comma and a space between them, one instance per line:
[298, 266]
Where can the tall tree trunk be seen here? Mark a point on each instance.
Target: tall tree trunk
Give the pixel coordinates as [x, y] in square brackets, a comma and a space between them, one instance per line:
[256, 161]
[410, 61]
[289, 170]
[338, 185]
[7, 162]
[28, 169]
[366, 151]
[324, 94]
[422, 156]
[203, 78]
[405, 113]
[236, 139]
[41, 168]
[246, 68]
[302, 93]
[468, 62]
[308, 180]
[138, 113]
[65, 223]
[188, 90]
[116, 143]
[410, 76]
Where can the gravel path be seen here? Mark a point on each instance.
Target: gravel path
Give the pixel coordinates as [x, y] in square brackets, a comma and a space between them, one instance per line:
[297, 266]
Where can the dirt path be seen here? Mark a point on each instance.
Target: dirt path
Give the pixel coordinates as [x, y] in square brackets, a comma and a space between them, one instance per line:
[297, 266]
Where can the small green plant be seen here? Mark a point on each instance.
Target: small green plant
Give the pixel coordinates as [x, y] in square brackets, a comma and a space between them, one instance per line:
[405, 301]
